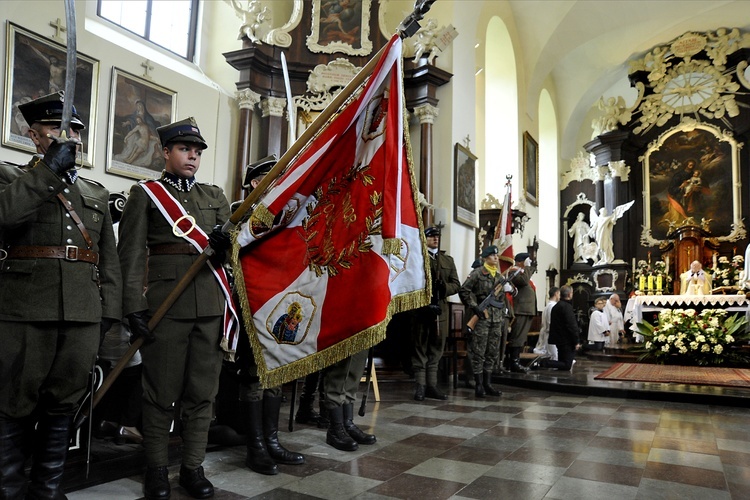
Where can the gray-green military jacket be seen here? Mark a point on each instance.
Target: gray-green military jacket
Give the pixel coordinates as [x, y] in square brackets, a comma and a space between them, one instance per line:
[524, 302]
[56, 289]
[477, 287]
[142, 225]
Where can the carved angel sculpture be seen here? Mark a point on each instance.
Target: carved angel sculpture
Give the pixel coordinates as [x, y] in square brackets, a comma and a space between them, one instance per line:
[253, 17]
[615, 113]
[425, 42]
[602, 225]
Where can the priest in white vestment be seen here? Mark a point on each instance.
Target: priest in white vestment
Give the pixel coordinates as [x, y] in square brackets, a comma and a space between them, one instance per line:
[613, 309]
[695, 281]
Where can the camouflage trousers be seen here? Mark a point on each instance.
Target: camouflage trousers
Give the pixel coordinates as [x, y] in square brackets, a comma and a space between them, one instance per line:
[485, 345]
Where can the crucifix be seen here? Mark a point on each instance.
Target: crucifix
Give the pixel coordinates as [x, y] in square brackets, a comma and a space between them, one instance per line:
[59, 27]
[146, 65]
[467, 140]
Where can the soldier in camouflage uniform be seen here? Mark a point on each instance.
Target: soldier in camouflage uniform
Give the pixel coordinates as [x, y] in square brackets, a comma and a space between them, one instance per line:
[485, 344]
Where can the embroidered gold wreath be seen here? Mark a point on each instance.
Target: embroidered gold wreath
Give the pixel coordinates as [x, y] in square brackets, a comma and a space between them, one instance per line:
[335, 232]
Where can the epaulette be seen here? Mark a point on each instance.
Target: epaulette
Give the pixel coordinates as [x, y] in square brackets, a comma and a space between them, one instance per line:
[92, 181]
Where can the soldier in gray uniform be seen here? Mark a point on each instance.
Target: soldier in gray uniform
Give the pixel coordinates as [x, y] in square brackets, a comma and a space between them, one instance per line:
[61, 290]
[485, 343]
[431, 322]
[182, 356]
[524, 308]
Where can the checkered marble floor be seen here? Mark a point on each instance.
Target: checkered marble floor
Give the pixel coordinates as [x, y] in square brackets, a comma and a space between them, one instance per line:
[526, 444]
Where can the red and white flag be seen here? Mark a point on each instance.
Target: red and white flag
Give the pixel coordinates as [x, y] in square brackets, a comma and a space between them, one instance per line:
[503, 238]
[334, 248]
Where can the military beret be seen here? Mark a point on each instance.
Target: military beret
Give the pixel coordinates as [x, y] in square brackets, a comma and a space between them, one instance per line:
[48, 109]
[258, 169]
[432, 231]
[476, 263]
[490, 250]
[520, 257]
[185, 131]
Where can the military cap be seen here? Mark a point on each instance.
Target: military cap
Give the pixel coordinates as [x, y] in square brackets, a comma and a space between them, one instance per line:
[490, 250]
[48, 109]
[476, 263]
[432, 231]
[258, 169]
[182, 131]
[520, 257]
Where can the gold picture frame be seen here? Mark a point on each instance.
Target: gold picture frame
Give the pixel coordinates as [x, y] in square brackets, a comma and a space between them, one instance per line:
[136, 108]
[465, 186]
[340, 27]
[531, 169]
[35, 66]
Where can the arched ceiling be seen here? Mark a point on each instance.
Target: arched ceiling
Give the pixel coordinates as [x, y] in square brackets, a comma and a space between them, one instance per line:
[582, 47]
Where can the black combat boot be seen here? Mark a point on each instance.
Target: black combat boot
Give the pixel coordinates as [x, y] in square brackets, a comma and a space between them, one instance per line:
[515, 362]
[306, 413]
[13, 448]
[257, 458]
[478, 386]
[337, 435]
[355, 432]
[271, 409]
[324, 422]
[419, 392]
[50, 450]
[488, 386]
[195, 482]
[156, 483]
[432, 392]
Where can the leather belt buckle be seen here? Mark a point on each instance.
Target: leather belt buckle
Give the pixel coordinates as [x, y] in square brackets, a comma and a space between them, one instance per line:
[71, 253]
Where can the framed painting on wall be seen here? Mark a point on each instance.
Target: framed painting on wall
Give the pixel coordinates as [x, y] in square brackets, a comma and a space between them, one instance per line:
[465, 186]
[340, 26]
[35, 67]
[137, 107]
[531, 169]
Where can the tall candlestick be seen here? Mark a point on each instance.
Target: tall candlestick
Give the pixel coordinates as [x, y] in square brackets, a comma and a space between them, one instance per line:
[715, 254]
[667, 262]
[633, 265]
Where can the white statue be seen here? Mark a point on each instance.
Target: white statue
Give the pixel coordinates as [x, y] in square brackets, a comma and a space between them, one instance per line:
[615, 113]
[583, 249]
[253, 17]
[425, 42]
[601, 230]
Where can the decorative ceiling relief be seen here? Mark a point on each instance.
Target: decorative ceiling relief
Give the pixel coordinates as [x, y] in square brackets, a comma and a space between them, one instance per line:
[691, 76]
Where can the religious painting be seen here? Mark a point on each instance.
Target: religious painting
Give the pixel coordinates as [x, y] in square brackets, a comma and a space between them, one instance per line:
[692, 179]
[137, 108]
[531, 169]
[340, 26]
[35, 67]
[465, 187]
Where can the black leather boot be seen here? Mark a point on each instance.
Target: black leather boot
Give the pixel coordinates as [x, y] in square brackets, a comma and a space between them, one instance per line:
[156, 483]
[478, 386]
[355, 432]
[419, 392]
[515, 361]
[337, 435]
[271, 409]
[306, 413]
[432, 392]
[195, 482]
[13, 449]
[488, 386]
[50, 450]
[257, 458]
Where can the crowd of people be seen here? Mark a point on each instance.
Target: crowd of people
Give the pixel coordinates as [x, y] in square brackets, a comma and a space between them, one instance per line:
[73, 290]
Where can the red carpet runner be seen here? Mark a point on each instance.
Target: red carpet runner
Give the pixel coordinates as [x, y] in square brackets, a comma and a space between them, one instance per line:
[698, 375]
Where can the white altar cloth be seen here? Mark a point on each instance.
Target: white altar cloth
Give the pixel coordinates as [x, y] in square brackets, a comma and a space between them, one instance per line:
[636, 306]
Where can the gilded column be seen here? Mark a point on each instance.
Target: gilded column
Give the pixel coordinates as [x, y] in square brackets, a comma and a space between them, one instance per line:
[246, 100]
[426, 113]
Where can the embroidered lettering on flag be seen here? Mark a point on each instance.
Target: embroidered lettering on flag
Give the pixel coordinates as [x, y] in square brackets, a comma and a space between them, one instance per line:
[178, 218]
[334, 248]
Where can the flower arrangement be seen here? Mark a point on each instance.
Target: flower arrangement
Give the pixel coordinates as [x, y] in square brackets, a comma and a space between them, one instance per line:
[686, 337]
[726, 272]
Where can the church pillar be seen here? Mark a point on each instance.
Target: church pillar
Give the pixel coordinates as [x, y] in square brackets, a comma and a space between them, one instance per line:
[247, 100]
[426, 114]
[274, 128]
[599, 187]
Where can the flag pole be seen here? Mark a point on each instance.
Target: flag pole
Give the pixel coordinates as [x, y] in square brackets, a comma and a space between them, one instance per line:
[408, 27]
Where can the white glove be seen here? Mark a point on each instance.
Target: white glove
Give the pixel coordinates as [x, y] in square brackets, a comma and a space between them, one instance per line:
[507, 287]
[527, 262]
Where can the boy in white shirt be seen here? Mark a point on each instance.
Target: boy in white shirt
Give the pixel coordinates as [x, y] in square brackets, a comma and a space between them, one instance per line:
[598, 325]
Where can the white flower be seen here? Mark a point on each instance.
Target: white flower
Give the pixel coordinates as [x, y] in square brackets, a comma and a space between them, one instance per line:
[670, 339]
[665, 348]
[648, 345]
[690, 312]
[705, 348]
[693, 345]
[718, 349]
[714, 322]
[723, 260]
[661, 338]
[729, 339]
[725, 282]
[700, 338]
[683, 350]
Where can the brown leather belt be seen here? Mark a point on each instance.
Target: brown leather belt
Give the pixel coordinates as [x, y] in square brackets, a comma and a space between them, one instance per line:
[173, 249]
[70, 253]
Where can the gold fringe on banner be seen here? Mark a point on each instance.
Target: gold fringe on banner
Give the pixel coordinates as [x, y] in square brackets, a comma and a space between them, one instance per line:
[263, 216]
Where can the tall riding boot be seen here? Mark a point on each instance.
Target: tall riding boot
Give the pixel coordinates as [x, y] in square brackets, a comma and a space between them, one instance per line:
[258, 458]
[323, 421]
[355, 432]
[515, 361]
[306, 414]
[271, 409]
[478, 386]
[50, 451]
[488, 386]
[13, 449]
[337, 435]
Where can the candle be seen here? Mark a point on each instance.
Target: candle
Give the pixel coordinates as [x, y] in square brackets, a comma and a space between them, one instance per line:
[666, 259]
[642, 283]
[650, 282]
[633, 265]
[649, 257]
[658, 282]
[715, 254]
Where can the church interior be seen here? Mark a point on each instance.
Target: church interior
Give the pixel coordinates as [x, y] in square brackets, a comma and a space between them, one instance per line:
[617, 131]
